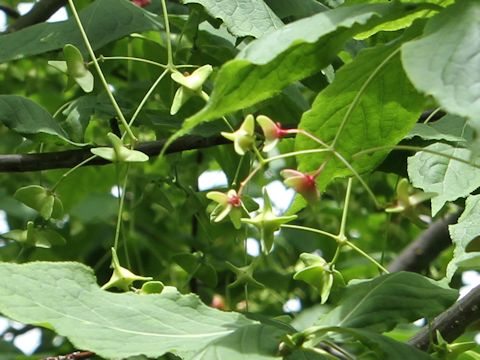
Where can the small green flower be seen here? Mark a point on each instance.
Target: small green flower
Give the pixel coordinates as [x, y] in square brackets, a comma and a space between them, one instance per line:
[405, 201]
[121, 278]
[243, 139]
[317, 273]
[272, 132]
[228, 204]
[119, 152]
[74, 66]
[42, 200]
[41, 237]
[267, 222]
[244, 274]
[191, 84]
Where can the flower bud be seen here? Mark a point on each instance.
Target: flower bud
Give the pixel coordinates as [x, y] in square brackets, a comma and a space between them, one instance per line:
[302, 183]
[272, 132]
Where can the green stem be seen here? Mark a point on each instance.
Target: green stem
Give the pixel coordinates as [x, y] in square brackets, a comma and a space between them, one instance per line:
[295, 153]
[311, 136]
[145, 98]
[305, 228]
[336, 255]
[415, 148]
[65, 175]
[357, 175]
[260, 158]
[248, 178]
[365, 255]
[430, 117]
[120, 208]
[100, 73]
[102, 58]
[237, 172]
[343, 224]
[61, 108]
[170, 64]
[225, 120]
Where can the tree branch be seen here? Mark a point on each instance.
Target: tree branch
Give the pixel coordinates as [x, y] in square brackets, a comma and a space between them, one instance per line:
[9, 11]
[451, 323]
[420, 253]
[70, 158]
[40, 12]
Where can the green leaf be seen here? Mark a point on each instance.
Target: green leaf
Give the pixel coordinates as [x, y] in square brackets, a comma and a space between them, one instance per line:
[386, 347]
[380, 304]
[444, 63]
[448, 128]
[463, 234]
[104, 21]
[297, 9]
[66, 298]
[78, 114]
[370, 103]
[449, 178]
[291, 53]
[405, 21]
[262, 344]
[237, 15]
[28, 118]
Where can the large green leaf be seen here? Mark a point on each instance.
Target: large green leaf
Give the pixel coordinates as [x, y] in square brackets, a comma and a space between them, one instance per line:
[370, 103]
[28, 118]
[462, 234]
[66, 298]
[104, 22]
[380, 304]
[291, 53]
[449, 178]
[242, 18]
[444, 63]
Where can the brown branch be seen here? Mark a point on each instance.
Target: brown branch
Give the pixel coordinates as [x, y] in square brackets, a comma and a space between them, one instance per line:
[451, 323]
[40, 12]
[9, 11]
[77, 355]
[420, 253]
[70, 158]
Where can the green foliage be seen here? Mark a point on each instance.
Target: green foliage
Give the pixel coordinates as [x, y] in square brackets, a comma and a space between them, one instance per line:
[270, 63]
[27, 118]
[129, 324]
[465, 238]
[355, 113]
[404, 297]
[451, 78]
[440, 173]
[108, 20]
[237, 16]
[110, 250]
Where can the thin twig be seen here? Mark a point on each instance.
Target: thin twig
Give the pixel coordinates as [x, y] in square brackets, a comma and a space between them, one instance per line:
[40, 12]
